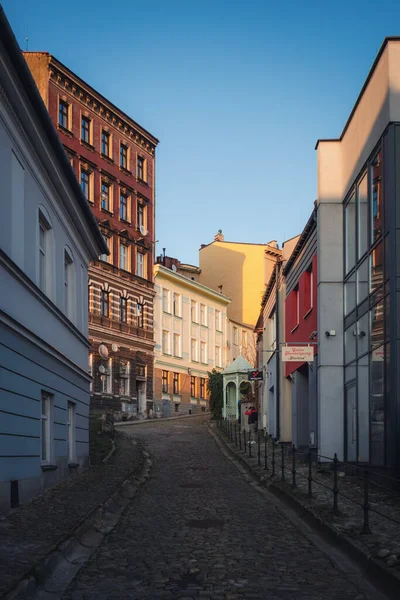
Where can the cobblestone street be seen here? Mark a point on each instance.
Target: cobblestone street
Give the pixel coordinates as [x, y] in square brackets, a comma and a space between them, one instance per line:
[198, 529]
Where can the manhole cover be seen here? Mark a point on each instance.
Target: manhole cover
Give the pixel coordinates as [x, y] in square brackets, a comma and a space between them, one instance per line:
[205, 523]
[192, 485]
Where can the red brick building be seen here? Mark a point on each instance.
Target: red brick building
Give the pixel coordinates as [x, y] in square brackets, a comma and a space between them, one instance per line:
[114, 160]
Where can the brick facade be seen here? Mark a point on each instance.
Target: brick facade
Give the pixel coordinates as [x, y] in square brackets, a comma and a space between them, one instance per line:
[115, 165]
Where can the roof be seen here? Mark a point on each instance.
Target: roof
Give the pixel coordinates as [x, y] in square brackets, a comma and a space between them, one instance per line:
[33, 96]
[239, 365]
[310, 226]
[239, 243]
[160, 269]
[394, 38]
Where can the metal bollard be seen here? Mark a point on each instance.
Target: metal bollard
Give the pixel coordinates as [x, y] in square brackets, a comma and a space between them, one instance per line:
[294, 484]
[250, 442]
[258, 449]
[244, 441]
[335, 485]
[283, 461]
[366, 529]
[265, 453]
[309, 474]
[273, 459]
[240, 438]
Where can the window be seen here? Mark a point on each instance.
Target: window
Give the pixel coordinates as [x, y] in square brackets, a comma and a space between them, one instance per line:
[44, 254]
[140, 370]
[175, 389]
[139, 264]
[106, 257]
[193, 386]
[68, 284]
[177, 344]
[218, 320]
[85, 184]
[46, 427]
[350, 233]
[193, 349]
[203, 352]
[362, 207]
[105, 143]
[308, 291]
[166, 300]
[123, 207]
[165, 342]
[293, 306]
[123, 312]
[202, 387]
[85, 130]
[165, 382]
[124, 370]
[176, 407]
[63, 114]
[107, 382]
[193, 311]
[123, 257]
[105, 196]
[376, 201]
[203, 314]
[140, 314]
[141, 167]
[104, 304]
[123, 156]
[71, 432]
[376, 268]
[177, 304]
[244, 338]
[218, 356]
[140, 216]
[235, 336]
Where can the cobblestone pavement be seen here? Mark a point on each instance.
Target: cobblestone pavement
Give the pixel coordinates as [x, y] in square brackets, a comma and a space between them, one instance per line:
[197, 529]
[30, 532]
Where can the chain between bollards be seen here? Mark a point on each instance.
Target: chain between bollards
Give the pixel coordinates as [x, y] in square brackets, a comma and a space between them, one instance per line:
[294, 484]
[335, 485]
[366, 529]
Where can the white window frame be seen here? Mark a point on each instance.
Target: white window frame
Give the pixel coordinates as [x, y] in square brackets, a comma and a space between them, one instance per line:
[218, 320]
[194, 345]
[126, 380]
[45, 252]
[203, 353]
[176, 302]
[194, 311]
[106, 383]
[107, 257]
[166, 300]
[46, 426]
[71, 431]
[140, 264]
[218, 356]
[123, 249]
[203, 314]
[177, 344]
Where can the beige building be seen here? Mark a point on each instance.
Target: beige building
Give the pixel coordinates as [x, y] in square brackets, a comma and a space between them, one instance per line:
[191, 334]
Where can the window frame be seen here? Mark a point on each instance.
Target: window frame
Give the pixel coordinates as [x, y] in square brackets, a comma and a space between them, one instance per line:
[45, 254]
[176, 304]
[64, 115]
[123, 309]
[124, 157]
[105, 143]
[202, 388]
[194, 355]
[86, 172]
[107, 257]
[141, 168]
[126, 248]
[140, 256]
[105, 303]
[177, 348]
[126, 197]
[203, 352]
[164, 381]
[175, 384]
[87, 130]
[166, 300]
[203, 314]
[166, 342]
[193, 386]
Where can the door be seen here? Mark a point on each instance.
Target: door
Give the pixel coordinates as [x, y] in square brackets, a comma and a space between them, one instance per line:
[351, 421]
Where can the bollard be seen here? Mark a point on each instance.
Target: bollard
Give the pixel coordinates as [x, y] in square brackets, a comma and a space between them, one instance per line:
[258, 450]
[335, 485]
[265, 452]
[240, 438]
[244, 441]
[283, 461]
[273, 459]
[366, 530]
[250, 442]
[309, 474]
[294, 484]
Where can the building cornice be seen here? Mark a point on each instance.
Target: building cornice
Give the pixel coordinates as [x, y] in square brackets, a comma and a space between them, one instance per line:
[161, 271]
[84, 93]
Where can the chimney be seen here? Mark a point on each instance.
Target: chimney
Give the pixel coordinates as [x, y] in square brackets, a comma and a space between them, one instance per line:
[219, 237]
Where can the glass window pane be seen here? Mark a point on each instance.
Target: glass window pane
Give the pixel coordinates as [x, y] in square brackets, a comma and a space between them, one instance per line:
[350, 233]
[362, 281]
[376, 268]
[362, 196]
[377, 325]
[377, 406]
[363, 335]
[350, 373]
[350, 344]
[350, 295]
[376, 201]
[363, 411]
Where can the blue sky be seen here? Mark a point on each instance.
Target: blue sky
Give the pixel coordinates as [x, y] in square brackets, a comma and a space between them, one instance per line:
[237, 92]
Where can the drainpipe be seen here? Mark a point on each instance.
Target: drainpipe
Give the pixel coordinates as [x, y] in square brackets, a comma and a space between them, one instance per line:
[277, 353]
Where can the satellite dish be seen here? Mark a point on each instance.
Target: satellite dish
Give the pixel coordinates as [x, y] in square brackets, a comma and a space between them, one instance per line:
[173, 268]
[103, 351]
[102, 369]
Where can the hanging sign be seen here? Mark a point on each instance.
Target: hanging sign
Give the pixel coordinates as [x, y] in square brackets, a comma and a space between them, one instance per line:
[297, 354]
[255, 375]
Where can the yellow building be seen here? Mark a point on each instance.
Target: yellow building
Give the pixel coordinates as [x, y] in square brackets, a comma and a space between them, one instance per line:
[240, 271]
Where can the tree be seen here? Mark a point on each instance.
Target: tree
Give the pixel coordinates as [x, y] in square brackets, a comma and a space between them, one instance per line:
[215, 387]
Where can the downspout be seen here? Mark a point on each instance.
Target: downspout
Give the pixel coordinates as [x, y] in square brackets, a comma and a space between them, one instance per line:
[277, 353]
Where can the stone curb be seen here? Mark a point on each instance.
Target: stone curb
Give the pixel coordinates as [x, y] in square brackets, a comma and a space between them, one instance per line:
[112, 451]
[161, 420]
[387, 580]
[50, 578]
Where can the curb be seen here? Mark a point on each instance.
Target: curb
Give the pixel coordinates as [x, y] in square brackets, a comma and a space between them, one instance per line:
[386, 579]
[51, 577]
[161, 420]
